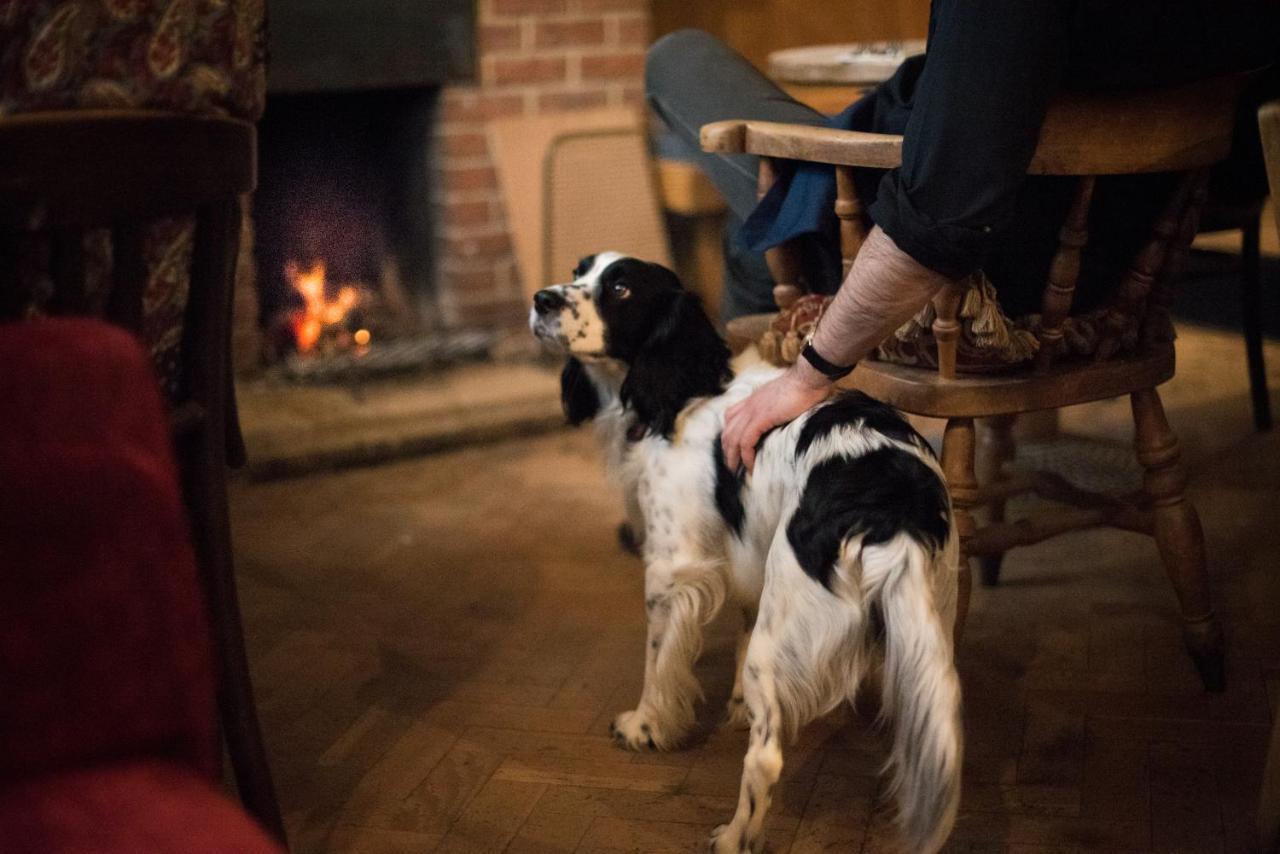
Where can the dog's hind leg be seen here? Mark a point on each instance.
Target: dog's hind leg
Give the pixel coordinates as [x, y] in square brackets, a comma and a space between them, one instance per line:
[680, 599]
[763, 763]
[735, 713]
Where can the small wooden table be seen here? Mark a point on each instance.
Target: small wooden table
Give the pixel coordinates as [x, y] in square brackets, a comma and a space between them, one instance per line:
[830, 77]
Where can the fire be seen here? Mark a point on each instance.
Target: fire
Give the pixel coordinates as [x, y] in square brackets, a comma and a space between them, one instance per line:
[318, 310]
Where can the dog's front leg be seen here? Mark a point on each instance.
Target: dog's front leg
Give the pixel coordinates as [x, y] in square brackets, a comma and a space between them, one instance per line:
[679, 600]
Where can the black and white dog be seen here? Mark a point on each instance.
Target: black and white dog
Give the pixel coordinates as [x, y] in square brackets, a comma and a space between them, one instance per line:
[839, 547]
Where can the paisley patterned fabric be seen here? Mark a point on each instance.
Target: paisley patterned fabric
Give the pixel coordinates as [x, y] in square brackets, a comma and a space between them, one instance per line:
[204, 57]
[190, 56]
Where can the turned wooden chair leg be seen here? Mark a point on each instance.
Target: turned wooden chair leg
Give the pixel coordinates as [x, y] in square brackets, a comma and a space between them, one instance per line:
[202, 457]
[958, 447]
[1251, 314]
[995, 450]
[1178, 535]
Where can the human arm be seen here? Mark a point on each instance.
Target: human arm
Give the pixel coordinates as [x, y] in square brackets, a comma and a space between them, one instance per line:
[884, 288]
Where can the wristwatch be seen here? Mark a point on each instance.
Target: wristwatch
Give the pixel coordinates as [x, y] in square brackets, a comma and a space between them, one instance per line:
[821, 365]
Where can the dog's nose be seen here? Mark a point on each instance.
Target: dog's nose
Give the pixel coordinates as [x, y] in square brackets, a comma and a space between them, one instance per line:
[547, 300]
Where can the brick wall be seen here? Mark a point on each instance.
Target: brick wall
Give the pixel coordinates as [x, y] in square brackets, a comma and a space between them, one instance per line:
[535, 57]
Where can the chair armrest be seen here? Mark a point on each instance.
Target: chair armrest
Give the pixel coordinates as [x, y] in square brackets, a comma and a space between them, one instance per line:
[803, 142]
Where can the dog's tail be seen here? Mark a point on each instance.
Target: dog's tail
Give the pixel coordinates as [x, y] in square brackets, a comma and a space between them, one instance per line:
[914, 587]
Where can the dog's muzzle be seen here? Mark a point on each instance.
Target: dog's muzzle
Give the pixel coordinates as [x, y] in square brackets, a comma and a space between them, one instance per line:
[544, 317]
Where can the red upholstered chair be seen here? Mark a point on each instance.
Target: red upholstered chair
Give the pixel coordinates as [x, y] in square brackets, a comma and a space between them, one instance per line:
[108, 740]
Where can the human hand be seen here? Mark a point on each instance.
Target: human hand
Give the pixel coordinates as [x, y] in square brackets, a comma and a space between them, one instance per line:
[776, 402]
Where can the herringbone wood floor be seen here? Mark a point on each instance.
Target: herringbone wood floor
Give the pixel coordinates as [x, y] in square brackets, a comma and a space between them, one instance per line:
[440, 644]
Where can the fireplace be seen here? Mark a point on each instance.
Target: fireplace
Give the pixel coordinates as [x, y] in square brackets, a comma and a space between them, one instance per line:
[344, 226]
[375, 140]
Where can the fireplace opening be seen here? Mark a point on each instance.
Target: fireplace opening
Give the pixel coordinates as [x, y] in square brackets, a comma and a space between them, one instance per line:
[343, 213]
[343, 220]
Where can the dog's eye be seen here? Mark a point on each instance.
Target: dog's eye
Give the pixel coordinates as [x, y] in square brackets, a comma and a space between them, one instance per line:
[619, 290]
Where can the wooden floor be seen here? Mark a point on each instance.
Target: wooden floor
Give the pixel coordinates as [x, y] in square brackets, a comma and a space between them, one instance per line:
[440, 644]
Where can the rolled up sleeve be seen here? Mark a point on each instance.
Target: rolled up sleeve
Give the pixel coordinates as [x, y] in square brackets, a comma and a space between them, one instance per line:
[991, 70]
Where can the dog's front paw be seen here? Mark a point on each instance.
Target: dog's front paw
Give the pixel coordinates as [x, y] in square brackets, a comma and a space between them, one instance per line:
[636, 730]
[736, 714]
[727, 839]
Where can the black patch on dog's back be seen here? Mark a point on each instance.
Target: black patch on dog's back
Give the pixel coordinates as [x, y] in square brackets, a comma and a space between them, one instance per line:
[854, 406]
[728, 490]
[729, 485]
[877, 495]
[578, 395]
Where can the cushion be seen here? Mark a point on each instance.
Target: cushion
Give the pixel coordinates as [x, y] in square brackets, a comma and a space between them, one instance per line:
[104, 647]
[145, 807]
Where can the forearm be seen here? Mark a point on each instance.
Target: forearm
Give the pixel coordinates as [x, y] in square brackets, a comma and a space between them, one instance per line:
[884, 288]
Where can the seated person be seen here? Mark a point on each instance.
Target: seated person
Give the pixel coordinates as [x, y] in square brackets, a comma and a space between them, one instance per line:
[970, 110]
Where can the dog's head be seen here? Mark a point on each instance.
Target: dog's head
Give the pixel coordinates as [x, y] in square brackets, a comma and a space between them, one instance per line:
[635, 315]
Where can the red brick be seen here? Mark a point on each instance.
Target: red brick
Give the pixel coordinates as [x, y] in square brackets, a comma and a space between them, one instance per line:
[479, 281]
[483, 245]
[464, 145]
[561, 101]
[474, 107]
[633, 31]
[497, 38]
[532, 70]
[550, 34]
[465, 214]
[633, 96]
[528, 7]
[469, 178]
[613, 66]
[613, 5]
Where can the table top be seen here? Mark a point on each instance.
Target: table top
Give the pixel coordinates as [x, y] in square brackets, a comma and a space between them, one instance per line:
[854, 64]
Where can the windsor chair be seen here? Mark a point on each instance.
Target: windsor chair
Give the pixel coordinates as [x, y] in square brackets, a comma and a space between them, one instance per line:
[1182, 130]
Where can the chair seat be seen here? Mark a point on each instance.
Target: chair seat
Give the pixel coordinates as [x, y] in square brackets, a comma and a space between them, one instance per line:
[921, 391]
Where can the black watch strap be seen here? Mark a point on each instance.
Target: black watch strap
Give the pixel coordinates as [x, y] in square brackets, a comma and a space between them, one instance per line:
[828, 370]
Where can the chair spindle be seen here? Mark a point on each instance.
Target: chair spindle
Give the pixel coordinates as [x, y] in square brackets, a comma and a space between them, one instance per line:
[1064, 274]
[1157, 323]
[66, 267]
[128, 277]
[946, 328]
[1123, 315]
[849, 212]
[783, 260]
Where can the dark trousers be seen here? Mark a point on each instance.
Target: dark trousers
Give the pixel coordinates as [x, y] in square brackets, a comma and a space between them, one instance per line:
[692, 79]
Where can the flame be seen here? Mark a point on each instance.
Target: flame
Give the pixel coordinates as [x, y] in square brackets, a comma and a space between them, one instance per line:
[318, 310]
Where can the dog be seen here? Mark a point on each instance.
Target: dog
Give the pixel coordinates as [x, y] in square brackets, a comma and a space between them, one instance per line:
[839, 547]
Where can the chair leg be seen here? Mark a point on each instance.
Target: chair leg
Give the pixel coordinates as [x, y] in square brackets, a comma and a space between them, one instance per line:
[1178, 535]
[203, 459]
[995, 450]
[958, 447]
[1251, 316]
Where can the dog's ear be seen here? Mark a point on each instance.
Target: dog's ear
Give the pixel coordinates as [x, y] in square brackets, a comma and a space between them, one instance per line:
[682, 358]
[577, 393]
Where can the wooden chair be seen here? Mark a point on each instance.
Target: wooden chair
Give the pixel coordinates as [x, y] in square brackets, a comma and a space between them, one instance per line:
[1269, 798]
[69, 173]
[1183, 130]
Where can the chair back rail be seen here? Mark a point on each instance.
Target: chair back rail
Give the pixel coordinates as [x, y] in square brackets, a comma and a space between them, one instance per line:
[1110, 133]
[68, 174]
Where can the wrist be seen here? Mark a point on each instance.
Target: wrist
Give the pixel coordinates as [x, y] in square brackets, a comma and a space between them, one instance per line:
[810, 377]
[814, 358]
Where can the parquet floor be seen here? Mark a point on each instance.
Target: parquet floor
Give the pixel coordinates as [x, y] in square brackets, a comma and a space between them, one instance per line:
[440, 644]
